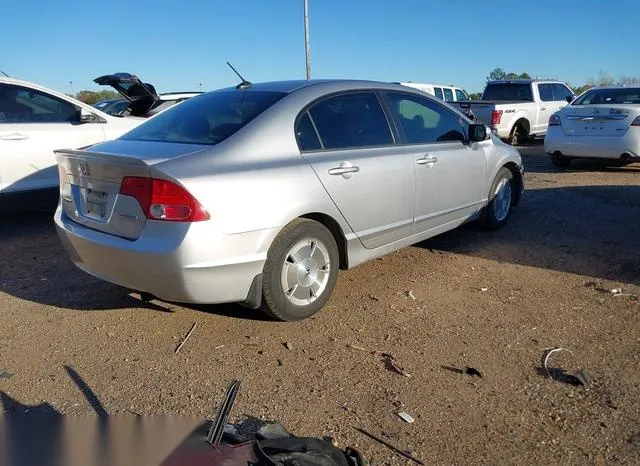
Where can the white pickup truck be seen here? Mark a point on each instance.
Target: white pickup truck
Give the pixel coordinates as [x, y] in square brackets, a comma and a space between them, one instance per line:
[518, 110]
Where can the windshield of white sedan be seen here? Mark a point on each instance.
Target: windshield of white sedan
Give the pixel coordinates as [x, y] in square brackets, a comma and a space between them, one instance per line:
[206, 119]
[609, 96]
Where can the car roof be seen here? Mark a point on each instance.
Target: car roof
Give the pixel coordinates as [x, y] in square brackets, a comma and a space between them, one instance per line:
[326, 85]
[616, 86]
[411, 84]
[524, 81]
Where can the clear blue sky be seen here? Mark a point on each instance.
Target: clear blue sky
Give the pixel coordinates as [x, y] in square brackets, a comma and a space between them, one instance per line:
[178, 45]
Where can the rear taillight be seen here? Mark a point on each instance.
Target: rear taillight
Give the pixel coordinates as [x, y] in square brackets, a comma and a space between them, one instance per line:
[496, 117]
[636, 122]
[554, 120]
[163, 199]
[65, 185]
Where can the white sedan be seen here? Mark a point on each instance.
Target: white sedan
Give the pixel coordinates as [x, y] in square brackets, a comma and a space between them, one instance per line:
[34, 121]
[602, 123]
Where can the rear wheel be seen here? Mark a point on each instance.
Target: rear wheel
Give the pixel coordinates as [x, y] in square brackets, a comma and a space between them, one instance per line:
[497, 212]
[301, 271]
[518, 135]
[559, 160]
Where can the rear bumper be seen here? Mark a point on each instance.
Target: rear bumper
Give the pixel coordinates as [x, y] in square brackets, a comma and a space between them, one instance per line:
[174, 262]
[600, 147]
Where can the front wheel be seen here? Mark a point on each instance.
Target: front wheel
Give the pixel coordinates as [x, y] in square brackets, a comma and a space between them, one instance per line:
[497, 212]
[301, 271]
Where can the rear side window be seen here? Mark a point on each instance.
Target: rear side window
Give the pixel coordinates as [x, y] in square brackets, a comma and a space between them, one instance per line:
[507, 91]
[424, 121]
[460, 95]
[560, 92]
[306, 134]
[205, 119]
[448, 95]
[351, 120]
[628, 95]
[23, 105]
[439, 93]
[546, 92]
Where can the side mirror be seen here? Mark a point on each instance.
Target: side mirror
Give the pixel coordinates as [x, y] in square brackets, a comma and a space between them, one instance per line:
[477, 133]
[570, 98]
[87, 116]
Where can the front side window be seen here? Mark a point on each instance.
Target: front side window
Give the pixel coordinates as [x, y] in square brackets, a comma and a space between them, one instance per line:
[460, 95]
[423, 121]
[439, 94]
[23, 105]
[205, 119]
[561, 92]
[448, 95]
[351, 120]
[546, 92]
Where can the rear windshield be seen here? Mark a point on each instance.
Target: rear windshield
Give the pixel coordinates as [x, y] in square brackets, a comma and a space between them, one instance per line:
[205, 119]
[609, 96]
[507, 91]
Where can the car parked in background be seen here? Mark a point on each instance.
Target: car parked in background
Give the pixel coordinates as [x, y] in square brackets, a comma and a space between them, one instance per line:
[602, 123]
[260, 193]
[101, 104]
[518, 110]
[117, 107]
[143, 99]
[34, 121]
[447, 93]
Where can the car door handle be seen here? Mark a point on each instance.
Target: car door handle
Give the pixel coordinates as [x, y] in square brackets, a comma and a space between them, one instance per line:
[427, 159]
[345, 169]
[543, 108]
[14, 137]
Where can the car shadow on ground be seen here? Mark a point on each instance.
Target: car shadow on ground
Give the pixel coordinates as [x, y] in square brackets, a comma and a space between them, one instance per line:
[35, 267]
[586, 230]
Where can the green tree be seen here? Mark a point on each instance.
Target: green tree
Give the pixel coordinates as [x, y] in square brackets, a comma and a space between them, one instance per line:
[500, 74]
[91, 97]
[475, 96]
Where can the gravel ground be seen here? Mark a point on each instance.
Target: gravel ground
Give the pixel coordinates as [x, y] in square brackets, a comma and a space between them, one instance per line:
[468, 298]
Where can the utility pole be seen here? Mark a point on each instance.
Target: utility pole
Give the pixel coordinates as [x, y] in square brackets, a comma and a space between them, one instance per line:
[306, 38]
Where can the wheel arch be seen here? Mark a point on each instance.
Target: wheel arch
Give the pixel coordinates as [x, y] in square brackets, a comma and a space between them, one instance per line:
[517, 176]
[336, 231]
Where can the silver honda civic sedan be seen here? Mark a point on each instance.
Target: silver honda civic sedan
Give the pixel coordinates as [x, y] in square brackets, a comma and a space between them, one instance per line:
[258, 194]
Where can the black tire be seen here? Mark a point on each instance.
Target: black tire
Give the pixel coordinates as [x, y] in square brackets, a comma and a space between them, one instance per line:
[491, 220]
[276, 303]
[560, 161]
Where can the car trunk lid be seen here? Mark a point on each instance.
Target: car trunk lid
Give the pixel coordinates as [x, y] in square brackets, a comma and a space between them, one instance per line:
[142, 96]
[90, 183]
[596, 120]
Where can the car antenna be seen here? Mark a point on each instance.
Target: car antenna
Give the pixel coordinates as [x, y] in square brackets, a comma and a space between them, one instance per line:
[5, 74]
[244, 84]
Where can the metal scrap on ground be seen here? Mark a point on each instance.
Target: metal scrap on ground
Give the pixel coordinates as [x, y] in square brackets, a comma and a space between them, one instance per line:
[185, 338]
[406, 454]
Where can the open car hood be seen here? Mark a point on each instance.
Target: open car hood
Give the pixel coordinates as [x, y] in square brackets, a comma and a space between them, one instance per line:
[129, 86]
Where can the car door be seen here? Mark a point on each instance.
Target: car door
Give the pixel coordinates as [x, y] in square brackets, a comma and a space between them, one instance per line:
[450, 173]
[348, 141]
[546, 107]
[560, 94]
[32, 124]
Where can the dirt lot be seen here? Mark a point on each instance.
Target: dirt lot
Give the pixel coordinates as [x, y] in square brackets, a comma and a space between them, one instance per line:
[491, 301]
